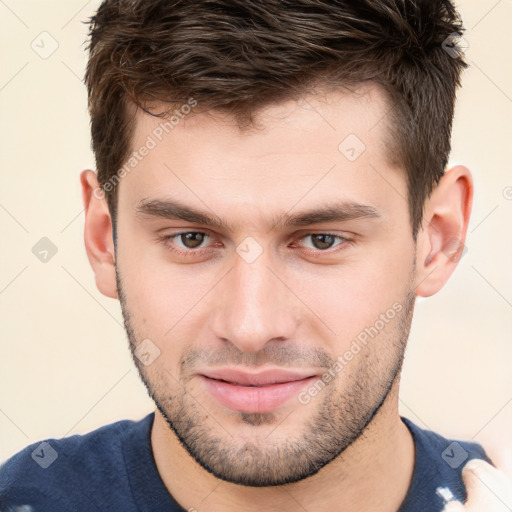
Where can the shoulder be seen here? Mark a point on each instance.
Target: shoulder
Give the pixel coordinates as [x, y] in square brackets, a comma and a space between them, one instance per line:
[452, 452]
[63, 472]
[437, 476]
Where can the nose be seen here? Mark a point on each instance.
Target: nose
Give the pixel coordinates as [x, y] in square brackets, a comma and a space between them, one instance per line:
[254, 305]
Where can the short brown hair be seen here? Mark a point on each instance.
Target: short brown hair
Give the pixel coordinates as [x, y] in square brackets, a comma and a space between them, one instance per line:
[238, 56]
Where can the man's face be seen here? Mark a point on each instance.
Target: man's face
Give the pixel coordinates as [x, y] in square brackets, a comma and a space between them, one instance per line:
[324, 297]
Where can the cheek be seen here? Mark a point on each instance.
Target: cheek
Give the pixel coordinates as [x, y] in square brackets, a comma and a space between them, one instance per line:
[157, 286]
[350, 298]
[167, 303]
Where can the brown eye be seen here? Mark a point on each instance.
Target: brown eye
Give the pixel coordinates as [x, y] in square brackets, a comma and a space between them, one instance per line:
[191, 240]
[186, 243]
[322, 241]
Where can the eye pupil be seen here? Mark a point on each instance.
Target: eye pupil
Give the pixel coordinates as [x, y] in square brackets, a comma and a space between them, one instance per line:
[192, 240]
[326, 241]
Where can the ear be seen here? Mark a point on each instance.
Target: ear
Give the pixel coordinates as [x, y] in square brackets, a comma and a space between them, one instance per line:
[440, 243]
[99, 244]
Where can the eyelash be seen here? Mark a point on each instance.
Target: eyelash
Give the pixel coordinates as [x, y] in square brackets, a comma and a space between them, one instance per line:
[165, 239]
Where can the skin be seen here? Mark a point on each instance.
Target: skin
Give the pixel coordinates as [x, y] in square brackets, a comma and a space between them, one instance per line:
[296, 306]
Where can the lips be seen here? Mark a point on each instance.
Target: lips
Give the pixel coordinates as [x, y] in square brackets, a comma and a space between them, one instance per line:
[254, 392]
[264, 378]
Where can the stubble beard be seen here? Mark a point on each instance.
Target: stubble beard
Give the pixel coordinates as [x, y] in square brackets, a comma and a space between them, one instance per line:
[338, 419]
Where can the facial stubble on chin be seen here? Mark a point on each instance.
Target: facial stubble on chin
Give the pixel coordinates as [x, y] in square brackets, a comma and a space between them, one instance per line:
[339, 419]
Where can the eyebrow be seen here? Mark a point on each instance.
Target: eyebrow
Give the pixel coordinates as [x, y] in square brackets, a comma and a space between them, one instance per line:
[332, 212]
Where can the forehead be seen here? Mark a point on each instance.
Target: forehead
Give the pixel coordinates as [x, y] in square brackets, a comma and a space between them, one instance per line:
[362, 111]
[331, 143]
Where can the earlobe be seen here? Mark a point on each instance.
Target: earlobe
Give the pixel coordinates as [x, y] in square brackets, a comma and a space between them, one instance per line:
[441, 241]
[98, 240]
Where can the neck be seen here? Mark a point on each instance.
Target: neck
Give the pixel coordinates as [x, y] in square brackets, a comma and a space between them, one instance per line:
[372, 474]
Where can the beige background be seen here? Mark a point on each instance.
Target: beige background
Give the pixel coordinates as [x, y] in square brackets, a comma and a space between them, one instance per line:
[64, 362]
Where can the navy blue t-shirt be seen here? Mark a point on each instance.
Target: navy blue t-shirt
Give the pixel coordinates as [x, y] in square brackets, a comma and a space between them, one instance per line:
[113, 469]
